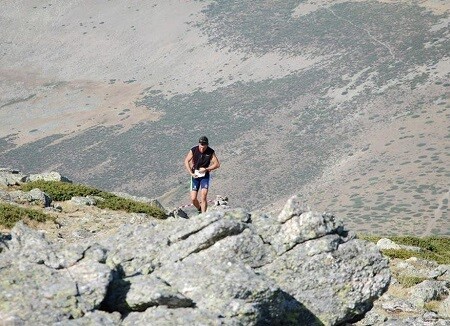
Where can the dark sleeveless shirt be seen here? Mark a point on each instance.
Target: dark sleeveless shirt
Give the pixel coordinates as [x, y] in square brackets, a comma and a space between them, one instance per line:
[201, 160]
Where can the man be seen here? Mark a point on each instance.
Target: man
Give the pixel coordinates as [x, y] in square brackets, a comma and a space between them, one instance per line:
[199, 162]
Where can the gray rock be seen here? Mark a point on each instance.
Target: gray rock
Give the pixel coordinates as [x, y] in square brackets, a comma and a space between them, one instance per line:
[372, 318]
[164, 316]
[444, 308]
[44, 284]
[229, 289]
[84, 201]
[33, 197]
[10, 177]
[179, 213]
[414, 267]
[384, 244]
[48, 176]
[148, 290]
[428, 290]
[293, 207]
[96, 317]
[224, 267]
[39, 197]
[398, 305]
[443, 272]
[303, 227]
[326, 275]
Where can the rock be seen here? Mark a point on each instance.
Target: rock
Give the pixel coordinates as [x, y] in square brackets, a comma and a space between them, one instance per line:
[327, 277]
[33, 197]
[179, 213]
[148, 290]
[84, 201]
[224, 267]
[398, 305]
[428, 290]
[96, 317]
[304, 227]
[44, 284]
[162, 315]
[49, 176]
[444, 308]
[10, 177]
[414, 267]
[293, 207]
[39, 197]
[385, 244]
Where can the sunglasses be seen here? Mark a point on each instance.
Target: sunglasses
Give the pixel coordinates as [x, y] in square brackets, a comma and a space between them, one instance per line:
[203, 144]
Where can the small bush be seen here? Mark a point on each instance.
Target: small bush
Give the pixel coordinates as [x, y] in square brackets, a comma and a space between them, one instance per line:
[60, 191]
[10, 215]
[436, 248]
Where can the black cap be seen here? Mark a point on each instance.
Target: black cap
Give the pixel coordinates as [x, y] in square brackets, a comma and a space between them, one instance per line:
[203, 140]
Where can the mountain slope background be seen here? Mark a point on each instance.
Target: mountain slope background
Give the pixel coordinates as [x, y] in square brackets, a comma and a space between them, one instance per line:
[345, 103]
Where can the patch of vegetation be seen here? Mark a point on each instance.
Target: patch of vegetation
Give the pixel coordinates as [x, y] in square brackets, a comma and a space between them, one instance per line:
[61, 191]
[409, 281]
[436, 248]
[432, 305]
[10, 215]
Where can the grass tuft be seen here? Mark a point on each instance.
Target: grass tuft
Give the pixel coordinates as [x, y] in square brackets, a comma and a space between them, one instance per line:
[10, 215]
[409, 281]
[61, 191]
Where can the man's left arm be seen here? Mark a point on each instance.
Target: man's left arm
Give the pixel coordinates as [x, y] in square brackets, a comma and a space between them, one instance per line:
[215, 164]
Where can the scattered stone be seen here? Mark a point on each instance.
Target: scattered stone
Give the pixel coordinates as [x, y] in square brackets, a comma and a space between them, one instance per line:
[84, 201]
[385, 244]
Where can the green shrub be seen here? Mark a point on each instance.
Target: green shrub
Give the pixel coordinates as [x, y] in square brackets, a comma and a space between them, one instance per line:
[436, 248]
[60, 191]
[10, 215]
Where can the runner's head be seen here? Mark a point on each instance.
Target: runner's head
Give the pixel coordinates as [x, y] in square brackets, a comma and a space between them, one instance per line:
[203, 143]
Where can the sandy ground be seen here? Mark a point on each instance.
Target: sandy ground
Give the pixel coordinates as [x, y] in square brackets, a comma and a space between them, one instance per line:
[68, 66]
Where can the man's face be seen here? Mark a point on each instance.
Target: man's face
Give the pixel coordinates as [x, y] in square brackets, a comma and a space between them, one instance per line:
[202, 147]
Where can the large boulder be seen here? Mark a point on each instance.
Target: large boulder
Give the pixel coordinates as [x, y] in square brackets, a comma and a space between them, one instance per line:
[42, 283]
[49, 176]
[10, 177]
[221, 267]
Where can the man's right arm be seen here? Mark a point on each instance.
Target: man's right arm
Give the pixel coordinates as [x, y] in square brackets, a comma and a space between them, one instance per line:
[187, 163]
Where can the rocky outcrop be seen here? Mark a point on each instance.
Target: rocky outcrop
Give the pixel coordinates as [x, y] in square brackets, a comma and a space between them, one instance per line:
[49, 176]
[11, 177]
[32, 197]
[222, 267]
[426, 303]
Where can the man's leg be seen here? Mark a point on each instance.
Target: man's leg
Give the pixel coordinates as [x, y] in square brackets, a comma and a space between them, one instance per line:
[195, 184]
[194, 199]
[204, 202]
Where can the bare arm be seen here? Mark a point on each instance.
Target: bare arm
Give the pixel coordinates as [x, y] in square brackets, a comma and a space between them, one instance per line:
[188, 162]
[215, 164]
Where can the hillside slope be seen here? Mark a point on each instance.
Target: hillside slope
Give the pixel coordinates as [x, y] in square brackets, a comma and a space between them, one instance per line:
[345, 103]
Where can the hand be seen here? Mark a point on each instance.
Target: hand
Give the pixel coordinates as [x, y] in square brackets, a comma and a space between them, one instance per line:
[202, 170]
